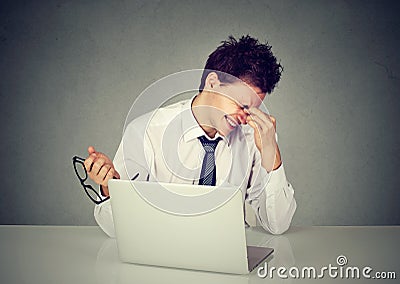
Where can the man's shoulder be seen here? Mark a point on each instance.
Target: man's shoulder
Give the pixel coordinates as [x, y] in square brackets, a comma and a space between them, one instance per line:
[161, 116]
[164, 114]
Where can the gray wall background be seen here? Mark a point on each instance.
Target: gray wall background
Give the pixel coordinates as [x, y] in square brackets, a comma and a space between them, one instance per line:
[70, 71]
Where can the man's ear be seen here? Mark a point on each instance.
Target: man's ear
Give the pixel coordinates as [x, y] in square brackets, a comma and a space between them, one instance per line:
[212, 80]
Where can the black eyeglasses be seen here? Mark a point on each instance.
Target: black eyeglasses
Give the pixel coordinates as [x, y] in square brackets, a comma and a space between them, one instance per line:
[82, 175]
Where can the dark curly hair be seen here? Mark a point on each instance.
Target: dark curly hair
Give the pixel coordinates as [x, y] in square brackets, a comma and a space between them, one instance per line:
[246, 59]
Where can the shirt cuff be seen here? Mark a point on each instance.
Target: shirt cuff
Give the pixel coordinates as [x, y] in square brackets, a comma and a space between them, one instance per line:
[276, 180]
[104, 218]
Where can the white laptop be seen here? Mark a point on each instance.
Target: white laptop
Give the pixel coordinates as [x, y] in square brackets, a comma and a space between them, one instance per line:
[211, 241]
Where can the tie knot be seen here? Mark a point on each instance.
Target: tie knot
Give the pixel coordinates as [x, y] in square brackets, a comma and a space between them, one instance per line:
[209, 145]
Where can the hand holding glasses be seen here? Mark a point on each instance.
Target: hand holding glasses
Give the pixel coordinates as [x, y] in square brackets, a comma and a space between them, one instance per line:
[82, 175]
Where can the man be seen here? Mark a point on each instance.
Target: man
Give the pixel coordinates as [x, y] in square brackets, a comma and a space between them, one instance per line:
[218, 137]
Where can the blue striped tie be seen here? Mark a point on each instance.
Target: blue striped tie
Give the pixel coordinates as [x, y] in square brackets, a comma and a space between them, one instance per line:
[208, 171]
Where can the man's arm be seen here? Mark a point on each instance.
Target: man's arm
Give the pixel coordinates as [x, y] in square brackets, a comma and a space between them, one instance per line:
[129, 160]
[101, 169]
[271, 197]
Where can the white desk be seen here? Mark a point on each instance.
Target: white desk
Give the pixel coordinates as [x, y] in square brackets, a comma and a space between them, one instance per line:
[53, 254]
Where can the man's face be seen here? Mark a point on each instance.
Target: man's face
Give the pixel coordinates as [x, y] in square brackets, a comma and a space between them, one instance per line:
[229, 103]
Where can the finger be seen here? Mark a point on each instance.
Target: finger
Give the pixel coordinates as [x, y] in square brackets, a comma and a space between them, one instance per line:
[273, 119]
[89, 163]
[258, 122]
[116, 174]
[255, 111]
[91, 150]
[109, 176]
[253, 124]
[259, 113]
[97, 165]
[99, 154]
[257, 130]
[267, 121]
[104, 171]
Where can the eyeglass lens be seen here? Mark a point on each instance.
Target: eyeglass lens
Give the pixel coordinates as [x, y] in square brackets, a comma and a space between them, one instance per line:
[80, 169]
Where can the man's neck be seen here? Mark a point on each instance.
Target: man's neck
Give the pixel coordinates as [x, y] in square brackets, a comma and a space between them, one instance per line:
[200, 109]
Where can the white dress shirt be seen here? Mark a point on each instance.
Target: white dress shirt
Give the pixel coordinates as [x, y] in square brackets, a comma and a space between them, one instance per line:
[163, 146]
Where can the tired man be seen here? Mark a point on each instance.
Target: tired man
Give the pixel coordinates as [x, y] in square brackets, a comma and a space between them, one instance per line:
[218, 137]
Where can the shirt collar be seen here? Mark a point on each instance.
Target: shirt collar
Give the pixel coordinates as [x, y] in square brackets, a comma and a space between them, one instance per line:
[191, 128]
